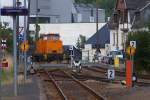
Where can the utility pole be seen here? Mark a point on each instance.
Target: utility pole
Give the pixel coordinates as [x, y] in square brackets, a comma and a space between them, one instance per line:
[25, 39]
[116, 23]
[15, 51]
[117, 45]
[17, 26]
[98, 37]
[27, 30]
[0, 59]
[97, 26]
[37, 21]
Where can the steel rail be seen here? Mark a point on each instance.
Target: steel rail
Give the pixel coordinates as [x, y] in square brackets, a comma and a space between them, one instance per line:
[122, 73]
[57, 86]
[100, 97]
[92, 69]
[102, 70]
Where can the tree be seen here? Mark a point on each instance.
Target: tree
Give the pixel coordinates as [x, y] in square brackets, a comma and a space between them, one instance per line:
[108, 5]
[37, 27]
[142, 54]
[78, 43]
[81, 41]
[6, 33]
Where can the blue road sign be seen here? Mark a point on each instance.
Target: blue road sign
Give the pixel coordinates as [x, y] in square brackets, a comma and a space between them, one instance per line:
[21, 37]
[13, 11]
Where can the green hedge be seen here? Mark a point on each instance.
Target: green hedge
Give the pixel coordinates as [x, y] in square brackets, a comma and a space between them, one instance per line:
[142, 55]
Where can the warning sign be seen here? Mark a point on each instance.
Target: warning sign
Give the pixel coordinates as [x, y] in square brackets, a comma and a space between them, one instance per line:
[130, 50]
[24, 46]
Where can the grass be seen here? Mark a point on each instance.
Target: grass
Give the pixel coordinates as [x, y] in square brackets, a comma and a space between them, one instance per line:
[6, 75]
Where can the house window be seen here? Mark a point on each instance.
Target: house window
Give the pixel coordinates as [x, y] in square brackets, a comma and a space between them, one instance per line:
[114, 39]
[124, 17]
[79, 17]
[91, 19]
[92, 12]
[122, 38]
[57, 20]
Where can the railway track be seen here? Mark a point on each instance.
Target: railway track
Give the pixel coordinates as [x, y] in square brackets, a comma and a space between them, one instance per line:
[63, 96]
[82, 88]
[52, 90]
[120, 74]
[98, 96]
[117, 72]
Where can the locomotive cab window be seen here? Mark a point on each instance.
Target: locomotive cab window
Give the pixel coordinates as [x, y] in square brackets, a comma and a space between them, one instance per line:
[55, 36]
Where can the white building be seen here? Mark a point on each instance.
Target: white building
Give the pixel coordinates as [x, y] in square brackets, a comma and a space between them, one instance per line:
[69, 32]
[100, 39]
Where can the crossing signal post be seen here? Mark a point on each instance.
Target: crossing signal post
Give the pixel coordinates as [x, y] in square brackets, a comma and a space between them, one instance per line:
[130, 71]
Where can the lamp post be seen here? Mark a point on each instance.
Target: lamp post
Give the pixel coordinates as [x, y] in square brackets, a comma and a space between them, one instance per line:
[28, 23]
[37, 21]
[0, 55]
[15, 51]
[98, 37]
[17, 29]
[25, 38]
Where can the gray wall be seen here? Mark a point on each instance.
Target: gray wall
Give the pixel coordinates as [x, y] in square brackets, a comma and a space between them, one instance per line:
[60, 11]
[57, 10]
[86, 14]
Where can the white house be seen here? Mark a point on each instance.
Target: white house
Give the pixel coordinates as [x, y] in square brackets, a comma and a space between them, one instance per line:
[128, 16]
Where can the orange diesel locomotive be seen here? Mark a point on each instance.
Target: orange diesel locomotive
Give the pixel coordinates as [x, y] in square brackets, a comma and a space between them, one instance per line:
[48, 47]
